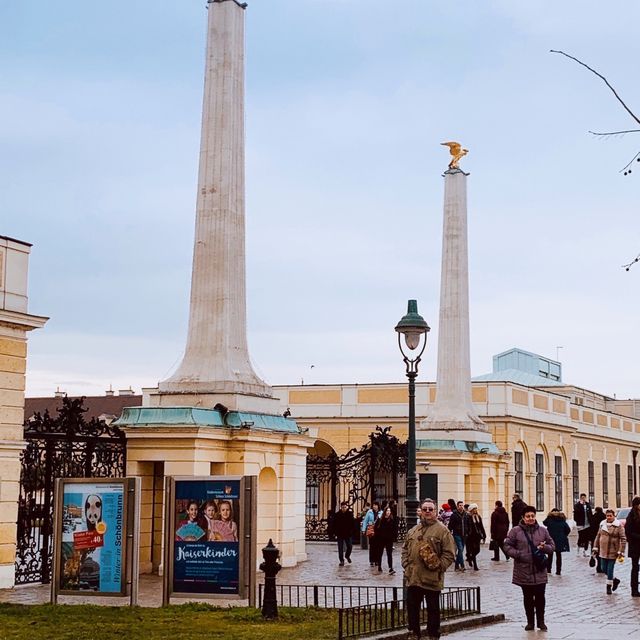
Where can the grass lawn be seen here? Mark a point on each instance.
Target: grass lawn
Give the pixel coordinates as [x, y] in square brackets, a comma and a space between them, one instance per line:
[183, 622]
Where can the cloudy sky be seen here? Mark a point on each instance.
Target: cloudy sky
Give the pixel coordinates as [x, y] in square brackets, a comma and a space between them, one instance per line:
[347, 102]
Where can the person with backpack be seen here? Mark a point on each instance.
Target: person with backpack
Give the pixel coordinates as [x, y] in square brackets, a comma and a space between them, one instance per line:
[529, 544]
[559, 530]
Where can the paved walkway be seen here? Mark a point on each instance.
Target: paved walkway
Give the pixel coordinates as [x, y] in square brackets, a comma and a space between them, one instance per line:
[577, 605]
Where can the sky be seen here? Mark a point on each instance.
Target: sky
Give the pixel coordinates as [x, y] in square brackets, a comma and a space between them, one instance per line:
[346, 104]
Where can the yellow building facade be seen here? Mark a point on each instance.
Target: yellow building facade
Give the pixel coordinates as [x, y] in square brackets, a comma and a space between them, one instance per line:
[553, 443]
[15, 323]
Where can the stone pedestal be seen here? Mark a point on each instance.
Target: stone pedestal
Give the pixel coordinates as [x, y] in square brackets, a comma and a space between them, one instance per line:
[201, 442]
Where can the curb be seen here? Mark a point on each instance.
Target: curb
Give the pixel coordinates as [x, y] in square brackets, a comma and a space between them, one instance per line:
[447, 627]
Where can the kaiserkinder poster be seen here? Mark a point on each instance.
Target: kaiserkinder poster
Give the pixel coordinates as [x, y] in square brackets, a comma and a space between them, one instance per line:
[206, 556]
[91, 556]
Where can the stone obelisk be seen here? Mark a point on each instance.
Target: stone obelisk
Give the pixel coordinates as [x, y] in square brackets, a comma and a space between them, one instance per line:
[453, 409]
[216, 359]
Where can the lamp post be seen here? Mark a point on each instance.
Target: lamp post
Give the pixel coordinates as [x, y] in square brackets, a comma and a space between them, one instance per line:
[412, 327]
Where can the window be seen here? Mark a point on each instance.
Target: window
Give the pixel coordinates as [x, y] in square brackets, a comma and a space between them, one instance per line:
[618, 487]
[519, 464]
[629, 484]
[605, 485]
[558, 482]
[539, 482]
[575, 467]
[592, 482]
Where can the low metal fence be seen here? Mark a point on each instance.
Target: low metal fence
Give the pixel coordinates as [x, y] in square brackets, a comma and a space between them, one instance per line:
[359, 621]
[330, 597]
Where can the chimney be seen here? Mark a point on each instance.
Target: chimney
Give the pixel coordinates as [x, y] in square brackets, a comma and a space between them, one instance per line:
[126, 392]
[109, 391]
[59, 394]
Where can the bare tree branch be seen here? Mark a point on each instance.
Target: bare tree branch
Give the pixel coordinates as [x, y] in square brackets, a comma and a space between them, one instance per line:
[626, 169]
[614, 133]
[626, 267]
[615, 93]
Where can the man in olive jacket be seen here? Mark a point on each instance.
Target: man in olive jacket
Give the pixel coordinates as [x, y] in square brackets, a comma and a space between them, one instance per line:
[427, 552]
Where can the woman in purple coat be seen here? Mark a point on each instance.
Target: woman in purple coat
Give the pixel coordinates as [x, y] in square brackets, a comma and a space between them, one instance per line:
[527, 574]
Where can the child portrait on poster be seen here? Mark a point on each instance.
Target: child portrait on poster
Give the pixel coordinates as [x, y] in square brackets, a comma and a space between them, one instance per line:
[192, 527]
[223, 528]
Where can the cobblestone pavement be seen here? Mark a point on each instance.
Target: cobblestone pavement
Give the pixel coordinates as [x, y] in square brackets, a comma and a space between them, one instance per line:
[577, 605]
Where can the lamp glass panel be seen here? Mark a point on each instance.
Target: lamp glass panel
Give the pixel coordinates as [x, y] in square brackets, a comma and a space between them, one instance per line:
[412, 339]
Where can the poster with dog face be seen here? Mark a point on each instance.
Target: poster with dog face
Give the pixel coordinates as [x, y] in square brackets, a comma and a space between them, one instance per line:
[206, 548]
[93, 536]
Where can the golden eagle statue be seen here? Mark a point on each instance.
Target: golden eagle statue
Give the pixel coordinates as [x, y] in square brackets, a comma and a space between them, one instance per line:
[457, 153]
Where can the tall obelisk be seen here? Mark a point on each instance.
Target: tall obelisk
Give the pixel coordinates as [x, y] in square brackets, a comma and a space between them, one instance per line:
[216, 359]
[453, 409]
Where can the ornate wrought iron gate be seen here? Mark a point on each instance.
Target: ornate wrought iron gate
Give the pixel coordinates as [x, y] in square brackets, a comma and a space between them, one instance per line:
[66, 446]
[376, 471]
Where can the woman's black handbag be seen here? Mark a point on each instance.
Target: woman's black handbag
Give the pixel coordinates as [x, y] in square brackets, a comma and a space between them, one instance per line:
[538, 555]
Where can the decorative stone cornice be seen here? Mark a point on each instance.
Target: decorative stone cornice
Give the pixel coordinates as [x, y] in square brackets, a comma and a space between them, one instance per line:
[24, 321]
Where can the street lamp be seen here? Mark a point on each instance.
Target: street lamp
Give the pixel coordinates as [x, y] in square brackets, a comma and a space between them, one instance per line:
[412, 327]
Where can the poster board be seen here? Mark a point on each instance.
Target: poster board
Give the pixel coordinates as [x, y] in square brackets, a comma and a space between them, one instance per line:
[96, 537]
[210, 537]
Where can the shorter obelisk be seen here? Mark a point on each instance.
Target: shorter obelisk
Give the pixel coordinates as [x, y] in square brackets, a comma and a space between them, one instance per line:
[453, 409]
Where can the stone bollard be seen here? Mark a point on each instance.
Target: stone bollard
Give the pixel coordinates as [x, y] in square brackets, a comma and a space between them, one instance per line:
[270, 566]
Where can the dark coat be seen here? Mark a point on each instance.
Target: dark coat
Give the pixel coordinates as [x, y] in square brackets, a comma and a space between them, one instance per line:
[499, 524]
[343, 524]
[517, 547]
[475, 535]
[517, 507]
[459, 524]
[632, 529]
[596, 519]
[582, 514]
[556, 523]
[386, 530]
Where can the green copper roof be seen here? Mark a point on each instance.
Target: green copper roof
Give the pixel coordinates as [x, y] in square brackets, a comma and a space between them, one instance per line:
[463, 446]
[194, 416]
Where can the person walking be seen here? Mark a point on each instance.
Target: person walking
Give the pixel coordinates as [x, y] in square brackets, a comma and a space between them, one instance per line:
[368, 529]
[427, 552]
[498, 530]
[559, 530]
[517, 508]
[444, 515]
[609, 545]
[386, 530]
[475, 537]
[597, 517]
[523, 543]
[582, 514]
[632, 531]
[343, 525]
[459, 527]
